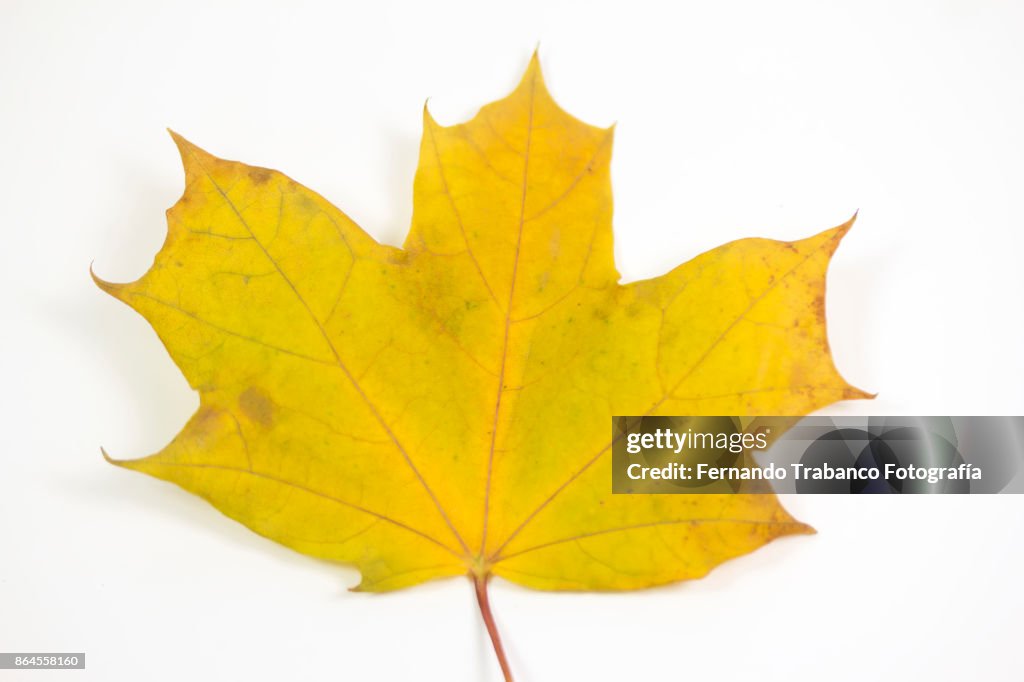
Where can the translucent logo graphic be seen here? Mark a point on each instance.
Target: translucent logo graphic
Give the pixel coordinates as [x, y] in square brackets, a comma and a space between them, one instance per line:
[818, 455]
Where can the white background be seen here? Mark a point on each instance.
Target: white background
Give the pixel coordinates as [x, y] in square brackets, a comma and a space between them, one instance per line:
[734, 119]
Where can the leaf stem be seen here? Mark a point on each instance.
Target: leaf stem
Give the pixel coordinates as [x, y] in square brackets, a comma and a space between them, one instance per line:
[480, 582]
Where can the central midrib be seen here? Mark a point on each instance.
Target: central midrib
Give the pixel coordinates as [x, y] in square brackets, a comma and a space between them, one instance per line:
[500, 391]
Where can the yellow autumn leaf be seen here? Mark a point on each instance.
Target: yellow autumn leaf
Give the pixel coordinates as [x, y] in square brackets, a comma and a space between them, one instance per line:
[444, 409]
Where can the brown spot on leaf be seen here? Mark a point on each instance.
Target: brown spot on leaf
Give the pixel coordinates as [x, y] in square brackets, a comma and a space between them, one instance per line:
[818, 305]
[257, 406]
[205, 419]
[260, 176]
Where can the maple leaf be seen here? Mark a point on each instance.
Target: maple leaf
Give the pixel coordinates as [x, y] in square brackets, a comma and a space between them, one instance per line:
[443, 409]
